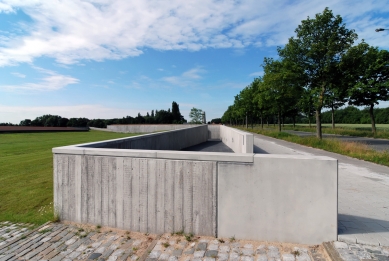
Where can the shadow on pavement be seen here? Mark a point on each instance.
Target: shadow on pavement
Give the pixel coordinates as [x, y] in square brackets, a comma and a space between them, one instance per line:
[350, 224]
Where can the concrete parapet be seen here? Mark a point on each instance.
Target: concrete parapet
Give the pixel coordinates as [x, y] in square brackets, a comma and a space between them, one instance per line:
[170, 140]
[238, 141]
[147, 128]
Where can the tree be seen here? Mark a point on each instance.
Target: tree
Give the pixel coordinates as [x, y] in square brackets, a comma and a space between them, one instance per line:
[371, 76]
[216, 121]
[177, 117]
[196, 116]
[281, 88]
[26, 122]
[316, 51]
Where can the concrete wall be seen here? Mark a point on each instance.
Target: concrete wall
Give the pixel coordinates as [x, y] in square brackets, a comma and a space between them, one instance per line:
[140, 194]
[172, 140]
[147, 128]
[281, 198]
[214, 132]
[238, 141]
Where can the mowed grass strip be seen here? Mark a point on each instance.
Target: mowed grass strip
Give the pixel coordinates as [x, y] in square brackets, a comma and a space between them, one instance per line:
[26, 172]
[351, 149]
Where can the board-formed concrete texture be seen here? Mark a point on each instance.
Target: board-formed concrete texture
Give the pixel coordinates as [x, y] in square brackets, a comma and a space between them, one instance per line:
[144, 184]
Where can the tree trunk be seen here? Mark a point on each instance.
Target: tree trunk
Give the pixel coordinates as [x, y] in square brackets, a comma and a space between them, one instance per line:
[371, 111]
[283, 121]
[309, 120]
[252, 123]
[318, 123]
[247, 124]
[333, 116]
[294, 121]
[279, 121]
[261, 121]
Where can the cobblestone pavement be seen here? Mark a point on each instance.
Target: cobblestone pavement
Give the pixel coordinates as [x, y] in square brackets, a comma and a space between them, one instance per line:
[359, 252]
[57, 241]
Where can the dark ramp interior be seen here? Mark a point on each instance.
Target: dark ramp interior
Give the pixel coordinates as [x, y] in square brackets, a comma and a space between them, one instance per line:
[210, 146]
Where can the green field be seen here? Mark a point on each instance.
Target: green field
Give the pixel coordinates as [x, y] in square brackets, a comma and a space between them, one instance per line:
[26, 172]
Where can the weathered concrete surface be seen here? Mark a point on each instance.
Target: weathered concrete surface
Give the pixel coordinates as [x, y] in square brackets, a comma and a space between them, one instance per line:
[279, 198]
[147, 128]
[238, 141]
[139, 194]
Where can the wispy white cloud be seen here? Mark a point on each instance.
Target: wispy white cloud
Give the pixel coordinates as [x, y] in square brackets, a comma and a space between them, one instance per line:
[256, 74]
[51, 82]
[20, 75]
[73, 30]
[187, 78]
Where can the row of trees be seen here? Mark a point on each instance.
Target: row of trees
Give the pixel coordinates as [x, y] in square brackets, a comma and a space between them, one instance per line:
[353, 115]
[172, 116]
[318, 68]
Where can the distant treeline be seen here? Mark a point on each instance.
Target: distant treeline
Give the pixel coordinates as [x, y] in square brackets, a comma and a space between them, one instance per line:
[172, 116]
[353, 115]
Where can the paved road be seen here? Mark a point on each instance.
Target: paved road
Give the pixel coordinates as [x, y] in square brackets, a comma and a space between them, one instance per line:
[363, 193]
[377, 144]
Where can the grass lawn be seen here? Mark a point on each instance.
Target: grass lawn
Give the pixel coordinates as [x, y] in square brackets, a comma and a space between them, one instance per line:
[351, 126]
[26, 172]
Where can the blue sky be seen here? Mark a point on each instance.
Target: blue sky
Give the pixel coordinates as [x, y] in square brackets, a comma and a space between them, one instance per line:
[113, 58]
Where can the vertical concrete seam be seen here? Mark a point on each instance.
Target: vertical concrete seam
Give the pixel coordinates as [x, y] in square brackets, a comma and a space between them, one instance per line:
[147, 195]
[216, 198]
[173, 198]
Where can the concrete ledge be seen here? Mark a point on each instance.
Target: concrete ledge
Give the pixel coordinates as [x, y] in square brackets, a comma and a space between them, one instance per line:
[147, 128]
[206, 156]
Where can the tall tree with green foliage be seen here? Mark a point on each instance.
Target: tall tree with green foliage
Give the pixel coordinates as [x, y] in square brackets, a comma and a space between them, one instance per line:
[371, 77]
[177, 117]
[281, 88]
[196, 115]
[317, 50]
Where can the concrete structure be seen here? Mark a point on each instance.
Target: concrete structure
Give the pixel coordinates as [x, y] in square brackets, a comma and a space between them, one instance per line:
[147, 128]
[146, 186]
